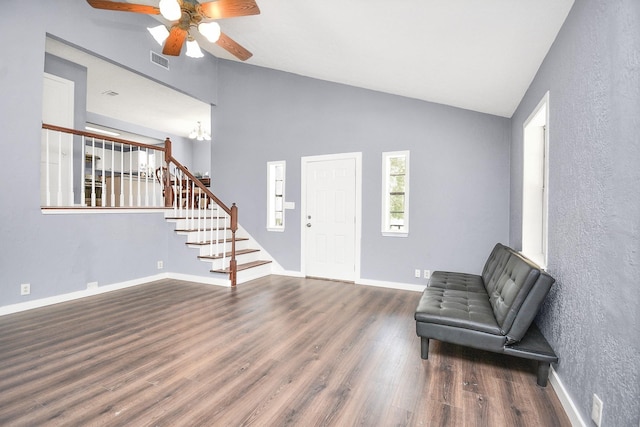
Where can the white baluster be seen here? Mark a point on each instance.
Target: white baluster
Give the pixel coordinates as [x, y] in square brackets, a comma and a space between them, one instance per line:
[59, 169]
[130, 177]
[112, 194]
[47, 170]
[83, 201]
[71, 193]
[224, 247]
[211, 233]
[103, 175]
[193, 198]
[93, 172]
[146, 177]
[179, 190]
[200, 227]
[123, 202]
[218, 231]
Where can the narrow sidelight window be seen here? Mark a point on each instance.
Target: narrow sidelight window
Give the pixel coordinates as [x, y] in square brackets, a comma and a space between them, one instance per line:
[275, 195]
[395, 193]
[535, 183]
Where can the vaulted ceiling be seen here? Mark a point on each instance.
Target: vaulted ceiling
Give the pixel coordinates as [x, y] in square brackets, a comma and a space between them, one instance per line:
[475, 54]
[479, 55]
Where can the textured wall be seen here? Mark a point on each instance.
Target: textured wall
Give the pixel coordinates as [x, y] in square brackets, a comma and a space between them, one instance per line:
[592, 316]
[459, 166]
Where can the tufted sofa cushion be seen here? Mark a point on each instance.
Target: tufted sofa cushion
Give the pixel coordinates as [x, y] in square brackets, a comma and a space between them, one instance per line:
[469, 310]
[457, 281]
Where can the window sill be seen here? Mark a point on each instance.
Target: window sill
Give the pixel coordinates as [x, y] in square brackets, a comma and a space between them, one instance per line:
[394, 234]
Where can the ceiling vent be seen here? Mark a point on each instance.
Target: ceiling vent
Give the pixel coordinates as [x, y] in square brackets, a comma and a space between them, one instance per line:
[160, 60]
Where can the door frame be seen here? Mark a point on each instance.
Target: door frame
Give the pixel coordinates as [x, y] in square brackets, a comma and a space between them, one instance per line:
[305, 161]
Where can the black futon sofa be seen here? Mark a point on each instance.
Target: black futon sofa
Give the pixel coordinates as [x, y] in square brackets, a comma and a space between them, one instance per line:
[493, 311]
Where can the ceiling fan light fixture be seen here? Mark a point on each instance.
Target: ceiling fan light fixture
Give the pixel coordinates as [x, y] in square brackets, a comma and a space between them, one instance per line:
[159, 33]
[170, 10]
[211, 30]
[193, 49]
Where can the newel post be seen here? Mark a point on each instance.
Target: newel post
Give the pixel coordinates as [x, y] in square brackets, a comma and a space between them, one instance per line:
[233, 264]
[166, 176]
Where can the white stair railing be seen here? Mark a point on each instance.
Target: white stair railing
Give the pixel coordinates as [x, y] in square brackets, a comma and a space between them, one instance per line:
[119, 173]
[111, 172]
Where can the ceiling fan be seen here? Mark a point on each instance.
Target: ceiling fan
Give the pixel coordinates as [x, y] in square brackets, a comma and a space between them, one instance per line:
[187, 14]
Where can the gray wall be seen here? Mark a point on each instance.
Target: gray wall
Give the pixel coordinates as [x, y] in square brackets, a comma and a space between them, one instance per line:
[592, 315]
[62, 253]
[459, 166]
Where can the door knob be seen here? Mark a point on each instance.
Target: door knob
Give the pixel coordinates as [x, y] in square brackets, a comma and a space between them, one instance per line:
[308, 224]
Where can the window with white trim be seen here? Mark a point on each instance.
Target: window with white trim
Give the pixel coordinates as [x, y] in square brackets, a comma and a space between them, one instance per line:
[395, 193]
[275, 195]
[535, 177]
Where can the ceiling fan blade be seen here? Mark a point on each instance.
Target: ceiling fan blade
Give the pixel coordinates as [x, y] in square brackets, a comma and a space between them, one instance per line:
[233, 47]
[124, 7]
[228, 8]
[173, 44]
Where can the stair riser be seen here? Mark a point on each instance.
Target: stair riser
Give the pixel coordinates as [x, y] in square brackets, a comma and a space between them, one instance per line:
[171, 214]
[253, 273]
[242, 244]
[202, 223]
[200, 236]
[244, 258]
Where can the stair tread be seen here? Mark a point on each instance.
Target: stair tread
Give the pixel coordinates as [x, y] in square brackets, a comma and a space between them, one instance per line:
[245, 266]
[228, 254]
[184, 217]
[208, 242]
[183, 230]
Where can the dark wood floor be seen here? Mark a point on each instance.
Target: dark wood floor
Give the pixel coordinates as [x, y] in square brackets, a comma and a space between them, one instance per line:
[273, 352]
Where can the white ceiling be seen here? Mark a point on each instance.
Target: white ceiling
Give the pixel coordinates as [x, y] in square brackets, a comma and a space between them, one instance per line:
[475, 54]
[479, 55]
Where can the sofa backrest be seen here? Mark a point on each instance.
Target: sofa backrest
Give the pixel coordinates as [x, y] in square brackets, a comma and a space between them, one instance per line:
[495, 265]
[516, 287]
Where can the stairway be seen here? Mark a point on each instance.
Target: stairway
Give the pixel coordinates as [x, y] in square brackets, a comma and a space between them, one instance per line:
[200, 232]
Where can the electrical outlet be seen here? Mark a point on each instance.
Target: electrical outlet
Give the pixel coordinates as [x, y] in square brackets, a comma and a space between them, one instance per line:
[417, 273]
[25, 289]
[596, 410]
[92, 285]
[160, 265]
[427, 274]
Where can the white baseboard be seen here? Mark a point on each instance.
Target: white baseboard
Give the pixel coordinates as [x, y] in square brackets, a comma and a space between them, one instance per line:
[199, 279]
[28, 305]
[392, 285]
[289, 273]
[566, 401]
[43, 302]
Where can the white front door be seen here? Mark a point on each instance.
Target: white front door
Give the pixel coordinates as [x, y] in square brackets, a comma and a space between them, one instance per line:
[330, 217]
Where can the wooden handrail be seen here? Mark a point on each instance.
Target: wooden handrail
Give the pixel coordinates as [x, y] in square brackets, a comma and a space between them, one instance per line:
[168, 202]
[101, 137]
[200, 185]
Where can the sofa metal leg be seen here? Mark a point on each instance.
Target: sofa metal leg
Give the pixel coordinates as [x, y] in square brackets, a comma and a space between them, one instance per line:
[424, 348]
[543, 373]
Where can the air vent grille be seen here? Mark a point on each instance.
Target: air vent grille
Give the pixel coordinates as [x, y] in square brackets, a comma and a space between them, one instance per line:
[160, 60]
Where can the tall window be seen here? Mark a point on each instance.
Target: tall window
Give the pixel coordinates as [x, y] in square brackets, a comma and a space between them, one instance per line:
[395, 193]
[535, 184]
[275, 195]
